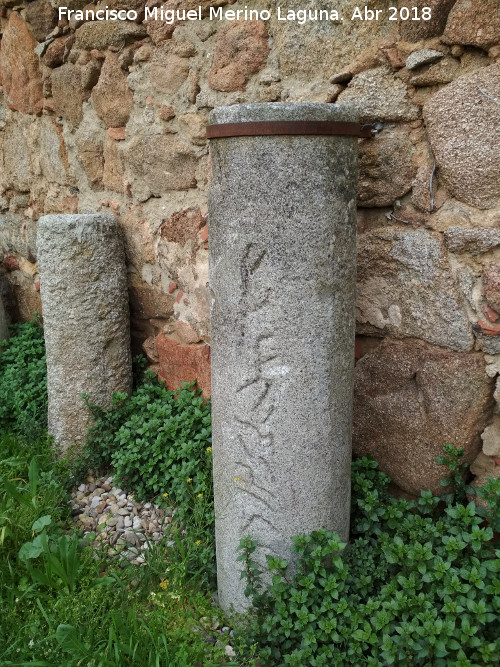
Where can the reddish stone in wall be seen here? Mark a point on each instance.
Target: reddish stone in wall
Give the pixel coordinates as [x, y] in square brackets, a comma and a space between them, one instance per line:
[19, 70]
[69, 204]
[112, 97]
[182, 226]
[184, 363]
[241, 51]
[476, 23]
[54, 55]
[68, 93]
[411, 399]
[11, 264]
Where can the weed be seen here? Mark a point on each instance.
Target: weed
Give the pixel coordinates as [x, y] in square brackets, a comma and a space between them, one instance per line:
[417, 585]
[23, 381]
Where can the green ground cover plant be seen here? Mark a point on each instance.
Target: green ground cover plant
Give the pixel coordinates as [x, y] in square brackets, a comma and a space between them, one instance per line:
[23, 380]
[158, 444]
[61, 603]
[418, 583]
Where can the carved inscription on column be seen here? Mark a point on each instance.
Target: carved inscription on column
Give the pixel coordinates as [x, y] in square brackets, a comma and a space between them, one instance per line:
[259, 393]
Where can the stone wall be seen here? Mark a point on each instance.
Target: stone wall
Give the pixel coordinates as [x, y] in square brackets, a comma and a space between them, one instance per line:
[111, 116]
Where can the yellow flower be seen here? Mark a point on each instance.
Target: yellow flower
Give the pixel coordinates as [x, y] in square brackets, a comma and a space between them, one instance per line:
[189, 480]
[165, 495]
[198, 542]
[200, 495]
[236, 479]
[209, 449]
[164, 584]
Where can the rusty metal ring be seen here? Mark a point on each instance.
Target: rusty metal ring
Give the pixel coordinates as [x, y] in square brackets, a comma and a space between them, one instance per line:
[290, 127]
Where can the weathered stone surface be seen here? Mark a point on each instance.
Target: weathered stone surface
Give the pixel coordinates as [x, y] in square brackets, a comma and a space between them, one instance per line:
[111, 96]
[19, 70]
[282, 315]
[90, 74]
[386, 170]
[90, 153]
[422, 57]
[17, 158]
[341, 77]
[160, 31]
[85, 309]
[186, 333]
[182, 226]
[455, 213]
[482, 465]
[168, 72]
[10, 263]
[307, 51]
[147, 302]
[149, 349]
[491, 438]
[195, 126]
[473, 240]
[377, 95]
[468, 159]
[183, 363]
[413, 31]
[446, 70]
[421, 195]
[487, 336]
[241, 51]
[17, 235]
[166, 113]
[54, 55]
[26, 300]
[113, 174]
[491, 284]
[116, 133]
[405, 289]
[138, 5]
[70, 4]
[68, 93]
[474, 22]
[101, 34]
[51, 151]
[410, 399]
[139, 239]
[41, 18]
[160, 163]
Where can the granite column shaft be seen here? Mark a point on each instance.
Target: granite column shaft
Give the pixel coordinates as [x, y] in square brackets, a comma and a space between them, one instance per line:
[282, 243]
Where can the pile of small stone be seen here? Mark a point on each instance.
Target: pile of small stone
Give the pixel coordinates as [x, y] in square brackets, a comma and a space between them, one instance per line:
[113, 519]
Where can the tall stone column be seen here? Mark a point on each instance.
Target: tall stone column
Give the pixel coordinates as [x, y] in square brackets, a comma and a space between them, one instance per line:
[282, 229]
[83, 286]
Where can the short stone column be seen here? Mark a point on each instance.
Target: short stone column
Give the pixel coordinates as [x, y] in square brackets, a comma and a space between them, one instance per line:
[83, 286]
[282, 240]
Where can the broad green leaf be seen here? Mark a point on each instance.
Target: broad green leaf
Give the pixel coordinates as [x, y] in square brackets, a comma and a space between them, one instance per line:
[41, 523]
